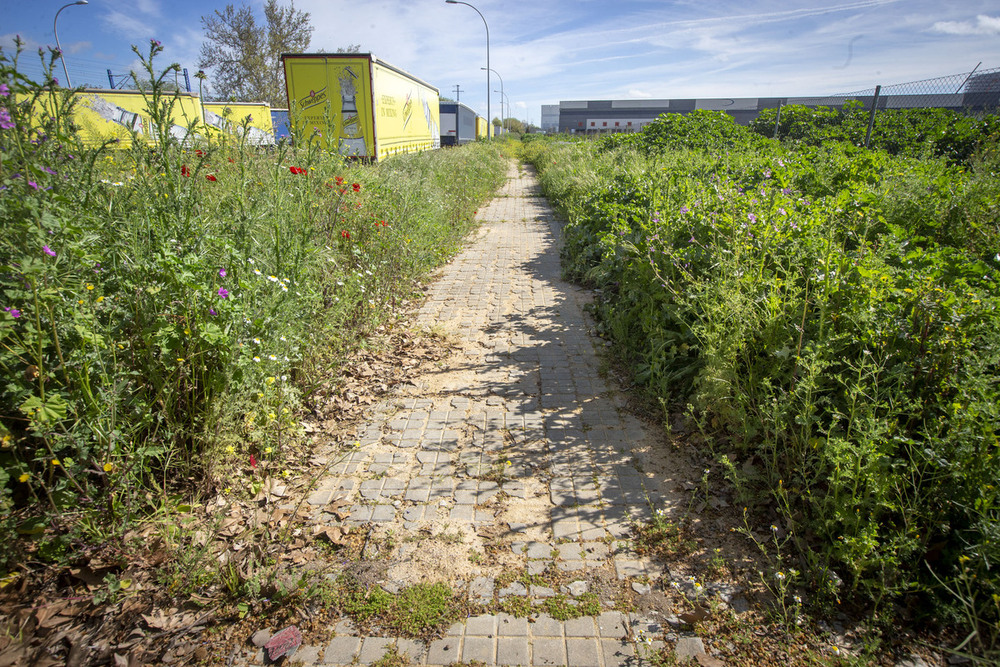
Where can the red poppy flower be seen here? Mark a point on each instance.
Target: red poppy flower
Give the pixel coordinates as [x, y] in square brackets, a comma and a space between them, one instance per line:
[211, 177]
[342, 190]
[232, 160]
[356, 187]
[200, 153]
[253, 462]
[297, 170]
[345, 234]
[185, 171]
[340, 180]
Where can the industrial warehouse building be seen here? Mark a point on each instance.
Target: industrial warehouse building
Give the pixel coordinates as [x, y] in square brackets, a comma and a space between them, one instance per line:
[977, 94]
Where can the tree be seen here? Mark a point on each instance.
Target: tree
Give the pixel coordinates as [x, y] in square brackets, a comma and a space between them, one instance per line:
[246, 57]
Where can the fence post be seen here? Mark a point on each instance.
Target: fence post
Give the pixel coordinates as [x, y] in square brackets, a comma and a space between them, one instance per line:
[871, 118]
[777, 119]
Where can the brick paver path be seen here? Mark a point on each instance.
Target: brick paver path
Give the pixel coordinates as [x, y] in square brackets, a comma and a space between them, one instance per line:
[526, 388]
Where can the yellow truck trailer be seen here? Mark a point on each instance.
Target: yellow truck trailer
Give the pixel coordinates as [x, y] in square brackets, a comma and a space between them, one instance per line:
[103, 115]
[359, 105]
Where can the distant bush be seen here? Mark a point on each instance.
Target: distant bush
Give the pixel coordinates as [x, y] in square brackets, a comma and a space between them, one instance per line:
[941, 132]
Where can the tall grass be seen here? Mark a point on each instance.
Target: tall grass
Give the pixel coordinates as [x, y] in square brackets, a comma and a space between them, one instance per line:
[163, 304]
[829, 318]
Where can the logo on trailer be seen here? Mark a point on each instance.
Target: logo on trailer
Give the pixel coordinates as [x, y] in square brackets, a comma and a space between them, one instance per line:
[313, 98]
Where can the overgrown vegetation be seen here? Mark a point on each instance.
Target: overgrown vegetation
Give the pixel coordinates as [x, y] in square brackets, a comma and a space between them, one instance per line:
[165, 306]
[828, 316]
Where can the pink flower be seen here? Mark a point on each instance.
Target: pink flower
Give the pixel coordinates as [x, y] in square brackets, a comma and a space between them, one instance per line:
[48, 251]
[223, 292]
[222, 273]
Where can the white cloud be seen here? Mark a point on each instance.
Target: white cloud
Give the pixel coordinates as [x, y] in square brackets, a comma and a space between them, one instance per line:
[635, 92]
[127, 25]
[984, 25]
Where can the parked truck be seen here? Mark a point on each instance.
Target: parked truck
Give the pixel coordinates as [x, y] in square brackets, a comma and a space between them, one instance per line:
[359, 105]
[458, 124]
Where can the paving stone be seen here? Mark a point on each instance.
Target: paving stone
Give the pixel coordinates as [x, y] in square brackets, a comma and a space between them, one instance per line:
[611, 624]
[689, 647]
[373, 648]
[582, 652]
[545, 626]
[511, 626]
[629, 568]
[512, 651]
[576, 588]
[582, 626]
[481, 590]
[306, 655]
[479, 648]
[383, 513]
[411, 647]
[484, 625]
[618, 653]
[515, 588]
[547, 651]
[341, 650]
[538, 550]
[444, 651]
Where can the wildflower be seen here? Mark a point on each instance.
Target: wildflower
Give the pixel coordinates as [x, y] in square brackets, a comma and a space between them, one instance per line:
[155, 42]
[4, 90]
[185, 171]
[257, 272]
[230, 449]
[774, 528]
[200, 153]
[14, 312]
[684, 209]
[256, 341]
[6, 122]
[285, 473]
[109, 467]
[253, 462]
[780, 576]
[211, 177]
[267, 450]
[273, 279]
[297, 170]
[340, 180]
[751, 217]
[223, 292]
[24, 477]
[222, 273]
[180, 360]
[100, 299]
[257, 359]
[272, 357]
[33, 185]
[270, 380]
[798, 599]
[211, 311]
[356, 187]
[48, 251]
[345, 234]
[56, 462]
[282, 338]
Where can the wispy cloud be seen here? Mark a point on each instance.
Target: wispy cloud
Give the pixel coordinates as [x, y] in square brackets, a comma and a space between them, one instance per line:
[128, 26]
[984, 25]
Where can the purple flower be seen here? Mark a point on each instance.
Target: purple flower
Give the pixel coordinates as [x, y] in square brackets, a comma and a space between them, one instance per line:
[223, 292]
[14, 312]
[49, 171]
[155, 42]
[222, 273]
[6, 122]
[48, 251]
[211, 311]
[4, 90]
[34, 186]
[752, 217]
[684, 209]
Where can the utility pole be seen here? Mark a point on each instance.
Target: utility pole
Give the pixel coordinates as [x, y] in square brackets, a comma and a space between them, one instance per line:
[458, 93]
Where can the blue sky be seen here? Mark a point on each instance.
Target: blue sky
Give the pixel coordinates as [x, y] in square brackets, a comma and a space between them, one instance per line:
[552, 50]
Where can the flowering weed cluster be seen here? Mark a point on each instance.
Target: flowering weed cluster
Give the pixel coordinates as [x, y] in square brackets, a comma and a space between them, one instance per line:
[831, 315]
[163, 304]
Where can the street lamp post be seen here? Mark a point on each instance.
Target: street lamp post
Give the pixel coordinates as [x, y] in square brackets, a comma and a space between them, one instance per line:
[489, 121]
[61, 56]
[502, 96]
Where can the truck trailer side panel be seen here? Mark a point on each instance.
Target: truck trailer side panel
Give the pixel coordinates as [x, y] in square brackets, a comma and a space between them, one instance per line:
[330, 98]
[359, 105]
[407, 115]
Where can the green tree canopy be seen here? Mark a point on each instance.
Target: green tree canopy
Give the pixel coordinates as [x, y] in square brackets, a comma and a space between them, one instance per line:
[245, 58]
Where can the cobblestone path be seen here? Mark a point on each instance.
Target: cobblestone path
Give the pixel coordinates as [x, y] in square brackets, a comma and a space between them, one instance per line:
[513, 458]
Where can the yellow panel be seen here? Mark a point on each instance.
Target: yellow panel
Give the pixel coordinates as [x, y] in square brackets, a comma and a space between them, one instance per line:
[229, 117]
[103, 114]
[331, 95]
[407, 113]
[480, 127]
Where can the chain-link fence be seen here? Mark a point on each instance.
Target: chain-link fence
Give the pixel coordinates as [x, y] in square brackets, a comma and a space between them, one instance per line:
[971, 93]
